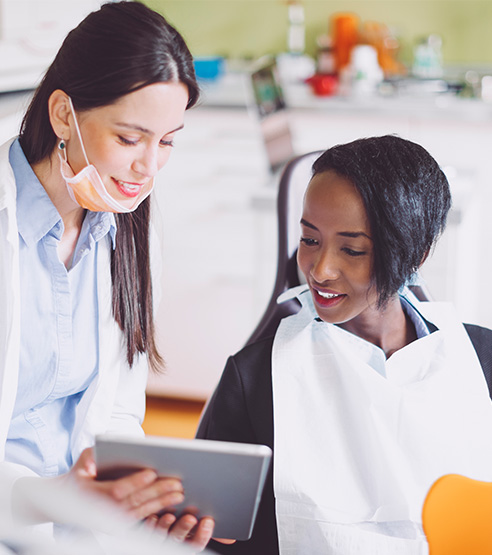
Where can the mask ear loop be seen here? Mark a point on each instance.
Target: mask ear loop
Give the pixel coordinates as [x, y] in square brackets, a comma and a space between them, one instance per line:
[78, 132]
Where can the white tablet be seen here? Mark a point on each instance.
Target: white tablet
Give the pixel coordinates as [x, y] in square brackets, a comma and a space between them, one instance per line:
[221, 479]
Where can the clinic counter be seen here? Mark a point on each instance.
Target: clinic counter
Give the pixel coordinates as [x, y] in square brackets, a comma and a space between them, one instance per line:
[233, 90]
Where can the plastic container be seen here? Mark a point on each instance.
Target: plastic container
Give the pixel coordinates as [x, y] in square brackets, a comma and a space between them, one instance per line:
[209, 68]
[345, 33]
[323, 84]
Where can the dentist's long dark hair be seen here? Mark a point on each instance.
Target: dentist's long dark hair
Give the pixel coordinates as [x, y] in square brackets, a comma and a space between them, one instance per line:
[122, 47]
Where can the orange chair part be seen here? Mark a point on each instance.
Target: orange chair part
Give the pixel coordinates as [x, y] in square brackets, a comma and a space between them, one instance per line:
[457, 516]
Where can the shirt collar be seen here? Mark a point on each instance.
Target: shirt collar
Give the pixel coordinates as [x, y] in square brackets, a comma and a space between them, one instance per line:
[422, 327]
[411, 305]
[36, 214]
[98, 224]
[32, 199]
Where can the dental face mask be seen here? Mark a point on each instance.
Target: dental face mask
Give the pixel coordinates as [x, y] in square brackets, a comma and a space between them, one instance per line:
[87, 189]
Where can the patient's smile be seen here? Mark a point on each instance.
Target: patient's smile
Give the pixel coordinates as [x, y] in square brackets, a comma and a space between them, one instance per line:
[328, 295]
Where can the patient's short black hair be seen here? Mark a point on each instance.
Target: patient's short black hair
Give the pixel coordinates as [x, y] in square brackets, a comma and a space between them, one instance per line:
[407, 199]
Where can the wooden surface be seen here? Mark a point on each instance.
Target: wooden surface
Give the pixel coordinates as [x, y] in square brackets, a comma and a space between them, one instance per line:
[172, 417]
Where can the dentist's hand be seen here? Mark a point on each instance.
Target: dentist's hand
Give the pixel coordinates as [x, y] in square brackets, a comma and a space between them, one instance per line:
[140, 494]
[143, 495]
[188, 529]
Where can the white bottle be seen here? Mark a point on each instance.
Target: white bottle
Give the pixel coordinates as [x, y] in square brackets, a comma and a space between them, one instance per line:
[364, 72]
[296, 38]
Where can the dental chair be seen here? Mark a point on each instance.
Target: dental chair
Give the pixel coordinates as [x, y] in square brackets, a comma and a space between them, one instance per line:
[292, 185]
[293, 182]
[457, 516]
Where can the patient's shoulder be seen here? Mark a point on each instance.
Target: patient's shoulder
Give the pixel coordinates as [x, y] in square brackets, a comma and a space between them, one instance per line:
[482, 342]
[258, 352]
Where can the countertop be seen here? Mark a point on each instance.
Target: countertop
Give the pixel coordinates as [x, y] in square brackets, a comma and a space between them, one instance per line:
[233, 90]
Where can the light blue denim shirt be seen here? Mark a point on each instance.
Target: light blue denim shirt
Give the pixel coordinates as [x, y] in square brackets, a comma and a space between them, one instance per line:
[59, 331]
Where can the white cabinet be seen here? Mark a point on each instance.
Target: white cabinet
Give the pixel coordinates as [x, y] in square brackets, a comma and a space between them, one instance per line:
[212, 295]
[12, 108]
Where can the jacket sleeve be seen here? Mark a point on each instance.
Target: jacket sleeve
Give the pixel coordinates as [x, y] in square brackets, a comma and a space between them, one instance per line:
[129, 404]
[9, 474]
[482, 342]
[226, 416]
[241, 410]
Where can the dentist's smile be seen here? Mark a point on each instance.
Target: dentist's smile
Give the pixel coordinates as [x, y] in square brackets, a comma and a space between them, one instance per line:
[127, 189]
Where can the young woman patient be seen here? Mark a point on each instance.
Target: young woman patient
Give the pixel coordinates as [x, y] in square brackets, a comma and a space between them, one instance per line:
[366, 394]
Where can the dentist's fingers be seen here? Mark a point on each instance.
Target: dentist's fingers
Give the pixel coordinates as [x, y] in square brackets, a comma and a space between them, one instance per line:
[141, 494]
[202, 534]
[188, 529]
[162, 494]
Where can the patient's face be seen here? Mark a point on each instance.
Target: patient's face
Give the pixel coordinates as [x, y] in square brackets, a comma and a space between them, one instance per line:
[336, 250]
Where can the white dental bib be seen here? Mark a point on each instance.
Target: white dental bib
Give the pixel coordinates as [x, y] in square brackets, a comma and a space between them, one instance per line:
[356, 450]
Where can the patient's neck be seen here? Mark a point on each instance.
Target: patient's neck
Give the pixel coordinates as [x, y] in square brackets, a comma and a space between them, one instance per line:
[390, 329]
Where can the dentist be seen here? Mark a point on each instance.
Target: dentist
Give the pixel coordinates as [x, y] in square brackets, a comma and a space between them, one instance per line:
[76, 317]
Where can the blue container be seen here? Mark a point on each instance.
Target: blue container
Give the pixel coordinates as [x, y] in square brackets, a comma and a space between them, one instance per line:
[209, 68]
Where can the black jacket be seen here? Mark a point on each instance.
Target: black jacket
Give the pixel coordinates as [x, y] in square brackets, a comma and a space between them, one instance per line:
[241, 410]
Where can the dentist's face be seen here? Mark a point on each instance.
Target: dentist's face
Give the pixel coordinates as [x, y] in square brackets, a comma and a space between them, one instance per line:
[130, 140]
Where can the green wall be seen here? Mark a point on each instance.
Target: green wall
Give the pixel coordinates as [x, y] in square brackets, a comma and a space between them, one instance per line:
[250, 28]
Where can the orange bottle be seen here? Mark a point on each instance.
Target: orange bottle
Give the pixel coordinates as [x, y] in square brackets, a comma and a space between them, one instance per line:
[345, 33]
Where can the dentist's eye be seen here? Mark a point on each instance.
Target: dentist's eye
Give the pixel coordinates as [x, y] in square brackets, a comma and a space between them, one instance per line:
[127, 141]
[309, 242]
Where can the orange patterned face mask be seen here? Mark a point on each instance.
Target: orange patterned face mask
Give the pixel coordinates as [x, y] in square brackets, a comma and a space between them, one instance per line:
[87, 189]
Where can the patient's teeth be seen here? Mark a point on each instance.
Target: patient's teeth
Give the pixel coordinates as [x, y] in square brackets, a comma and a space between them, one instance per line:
[328, 295]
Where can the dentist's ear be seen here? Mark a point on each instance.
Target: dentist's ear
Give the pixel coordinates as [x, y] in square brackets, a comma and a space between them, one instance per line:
[59, 113]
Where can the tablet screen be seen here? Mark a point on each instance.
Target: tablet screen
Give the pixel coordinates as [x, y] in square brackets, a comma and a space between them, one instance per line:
[221, 479]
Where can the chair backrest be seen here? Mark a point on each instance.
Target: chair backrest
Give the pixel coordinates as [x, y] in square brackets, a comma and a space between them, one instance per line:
[457, 516]
[293, 183]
